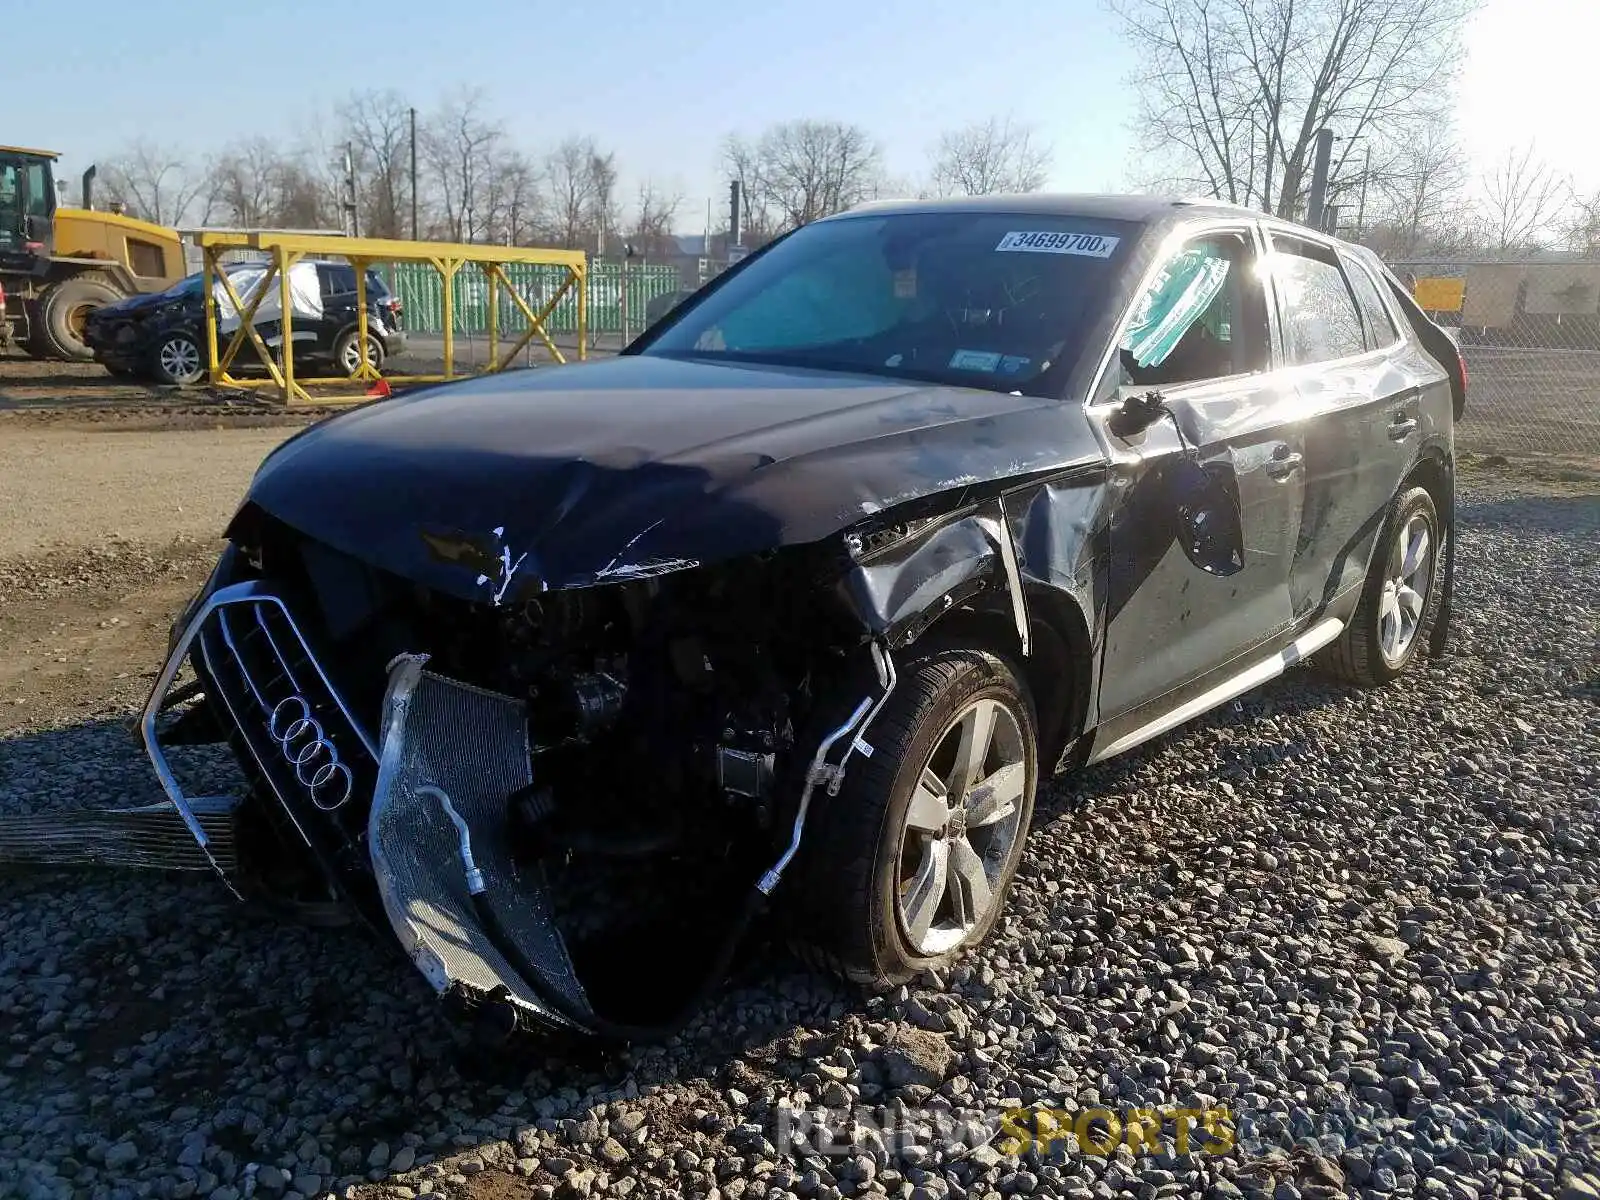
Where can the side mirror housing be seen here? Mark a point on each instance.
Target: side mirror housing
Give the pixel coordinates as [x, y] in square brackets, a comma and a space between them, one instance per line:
[1208, 516]
[1139, 411]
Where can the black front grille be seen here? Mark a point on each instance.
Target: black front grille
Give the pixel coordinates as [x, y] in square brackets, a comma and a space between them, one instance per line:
[296, 733]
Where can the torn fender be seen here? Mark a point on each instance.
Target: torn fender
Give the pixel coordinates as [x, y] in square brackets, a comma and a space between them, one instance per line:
[1039, 548]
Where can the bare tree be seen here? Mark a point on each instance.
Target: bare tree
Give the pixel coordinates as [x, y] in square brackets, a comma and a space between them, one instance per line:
[1583, 225]
[255, 184]
[584, 205]
[571, 189]
[154, 184]
[990, 156]
[1418, 202]
[1233, 92]
[604, 214]
[460, 145]
[799, 171]
[654, 212]
[1521, 199]
[241, 183]
[516, 208]
[377, 126]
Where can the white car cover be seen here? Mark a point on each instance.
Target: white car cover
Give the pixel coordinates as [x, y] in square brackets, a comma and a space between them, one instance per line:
[305, 298]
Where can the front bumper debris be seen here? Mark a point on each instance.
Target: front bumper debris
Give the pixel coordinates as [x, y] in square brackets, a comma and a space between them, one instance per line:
[294, 731]
[151, 837]
[300, 739]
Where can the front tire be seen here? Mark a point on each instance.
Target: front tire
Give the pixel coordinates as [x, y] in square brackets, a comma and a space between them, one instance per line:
[1400, 599]
[909, 866]
[62, 315]
[177, 359]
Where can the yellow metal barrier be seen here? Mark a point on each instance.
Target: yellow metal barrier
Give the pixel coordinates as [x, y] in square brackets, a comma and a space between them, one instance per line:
[1440, 294]
[448, 258]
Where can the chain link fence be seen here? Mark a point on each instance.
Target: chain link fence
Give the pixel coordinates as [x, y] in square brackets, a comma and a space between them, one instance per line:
[1529, 330]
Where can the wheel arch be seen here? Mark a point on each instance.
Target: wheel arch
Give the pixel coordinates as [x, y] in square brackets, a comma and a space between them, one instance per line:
[1435, 471]
[1058, 668]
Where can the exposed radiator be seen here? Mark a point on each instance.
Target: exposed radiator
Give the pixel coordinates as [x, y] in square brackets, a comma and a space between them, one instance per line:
[472, 745]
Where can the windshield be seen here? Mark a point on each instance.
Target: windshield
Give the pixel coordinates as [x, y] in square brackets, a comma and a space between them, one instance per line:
[190, 285]
[187, 286]
[988, 300]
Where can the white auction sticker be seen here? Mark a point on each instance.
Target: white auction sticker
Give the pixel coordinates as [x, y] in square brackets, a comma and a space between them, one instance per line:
[1090, 245]
[974, 360]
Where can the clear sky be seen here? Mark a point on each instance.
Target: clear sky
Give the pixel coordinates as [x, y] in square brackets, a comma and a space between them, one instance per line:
[661, 83]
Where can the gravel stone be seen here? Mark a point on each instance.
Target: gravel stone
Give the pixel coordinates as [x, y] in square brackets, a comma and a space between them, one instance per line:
[1371, 909]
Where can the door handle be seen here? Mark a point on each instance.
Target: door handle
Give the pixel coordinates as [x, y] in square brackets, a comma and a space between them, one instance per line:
[1402, 427]
[1283, 463]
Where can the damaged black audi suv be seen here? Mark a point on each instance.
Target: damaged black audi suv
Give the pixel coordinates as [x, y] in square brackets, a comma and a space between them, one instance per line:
[560, 677]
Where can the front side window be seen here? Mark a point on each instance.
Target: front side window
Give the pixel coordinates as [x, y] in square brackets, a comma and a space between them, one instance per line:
[10, 205]
[1381, 332]
[1320, 319]
[987, 300]
[39, 203]
[1202, 317]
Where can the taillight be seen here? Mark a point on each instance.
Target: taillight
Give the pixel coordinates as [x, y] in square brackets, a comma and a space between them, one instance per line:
[2, 297]
[1461, 365]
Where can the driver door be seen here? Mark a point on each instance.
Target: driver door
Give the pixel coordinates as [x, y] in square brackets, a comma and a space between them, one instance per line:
[1201, 338]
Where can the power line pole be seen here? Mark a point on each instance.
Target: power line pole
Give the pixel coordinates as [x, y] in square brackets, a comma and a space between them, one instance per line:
[350, 189]
[1319, 178]
[414, 175]
[1361, 205]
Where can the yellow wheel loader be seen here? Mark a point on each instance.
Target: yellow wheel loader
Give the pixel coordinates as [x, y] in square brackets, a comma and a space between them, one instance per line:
[58, 264]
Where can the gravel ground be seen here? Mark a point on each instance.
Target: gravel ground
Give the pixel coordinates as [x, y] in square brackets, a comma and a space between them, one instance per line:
[1314, 900]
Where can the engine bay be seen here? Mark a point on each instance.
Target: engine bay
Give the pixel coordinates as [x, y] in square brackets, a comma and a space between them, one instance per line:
[664, 722]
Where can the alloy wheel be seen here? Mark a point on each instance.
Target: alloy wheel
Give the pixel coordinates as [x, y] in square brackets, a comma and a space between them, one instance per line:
[1405, 588]
[351, 359]
[960, 827]
[179, 358]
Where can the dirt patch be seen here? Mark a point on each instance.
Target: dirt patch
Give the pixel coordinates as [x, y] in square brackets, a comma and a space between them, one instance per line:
[84, 636]
[1532, 474]
[109, 528]
[75, 487]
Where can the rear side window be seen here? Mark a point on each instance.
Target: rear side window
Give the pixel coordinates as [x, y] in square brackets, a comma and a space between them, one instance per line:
[338, 280]
[1381, 332]
[1320, 318]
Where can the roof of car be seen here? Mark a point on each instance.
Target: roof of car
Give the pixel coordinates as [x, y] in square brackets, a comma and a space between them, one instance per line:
[1106, 206]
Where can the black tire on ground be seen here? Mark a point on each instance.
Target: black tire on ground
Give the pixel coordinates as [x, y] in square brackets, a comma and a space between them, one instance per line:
[344, 352]
[1359, 655]
[177, 358]
[839, 904]
[58, 332]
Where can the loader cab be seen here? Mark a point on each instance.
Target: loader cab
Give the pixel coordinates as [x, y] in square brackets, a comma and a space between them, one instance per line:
[27, 206]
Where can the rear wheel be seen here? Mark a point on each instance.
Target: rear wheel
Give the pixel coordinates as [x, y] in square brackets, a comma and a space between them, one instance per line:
[1400, 599]
[63, 313]
[176, 358]
[909, 866]
[347, 352]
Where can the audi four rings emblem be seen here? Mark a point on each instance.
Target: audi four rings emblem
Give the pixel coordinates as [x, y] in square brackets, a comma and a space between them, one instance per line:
[314, 757]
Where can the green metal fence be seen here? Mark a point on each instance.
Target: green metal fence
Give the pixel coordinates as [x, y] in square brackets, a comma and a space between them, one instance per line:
[422, 291]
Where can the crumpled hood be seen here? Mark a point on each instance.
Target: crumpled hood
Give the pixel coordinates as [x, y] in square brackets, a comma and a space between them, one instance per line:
[129, 305]
[503, 485]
